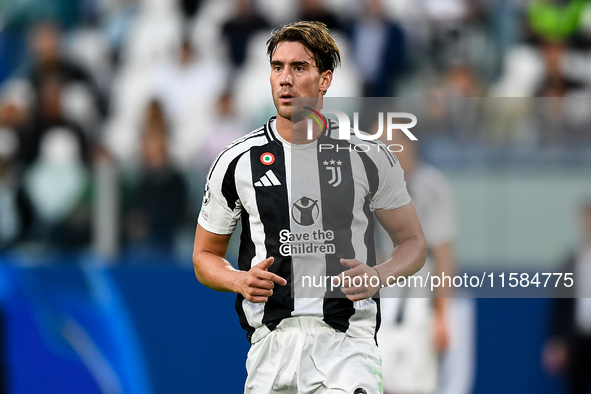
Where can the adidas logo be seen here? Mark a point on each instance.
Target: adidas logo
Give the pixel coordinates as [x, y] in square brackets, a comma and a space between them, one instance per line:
[269, 179]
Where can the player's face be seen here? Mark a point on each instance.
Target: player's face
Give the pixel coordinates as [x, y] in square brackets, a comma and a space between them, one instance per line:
[294, 74]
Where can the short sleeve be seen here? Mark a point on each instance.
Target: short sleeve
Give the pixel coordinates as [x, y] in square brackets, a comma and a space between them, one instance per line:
[221, 208]
[391, 192]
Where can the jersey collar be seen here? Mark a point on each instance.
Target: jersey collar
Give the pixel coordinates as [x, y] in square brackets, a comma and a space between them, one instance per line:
[273, 135]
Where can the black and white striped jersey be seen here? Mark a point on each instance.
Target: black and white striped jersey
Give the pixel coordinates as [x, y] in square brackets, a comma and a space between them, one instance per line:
[308, 206]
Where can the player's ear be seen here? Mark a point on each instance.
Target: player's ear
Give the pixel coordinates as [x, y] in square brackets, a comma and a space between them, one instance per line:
[325, 80]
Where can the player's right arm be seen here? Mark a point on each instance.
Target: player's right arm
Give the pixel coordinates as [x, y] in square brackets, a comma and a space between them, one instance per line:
[220, 211]
[214, 271]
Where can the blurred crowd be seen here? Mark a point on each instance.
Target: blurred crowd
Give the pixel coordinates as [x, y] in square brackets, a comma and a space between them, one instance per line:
[158, 87]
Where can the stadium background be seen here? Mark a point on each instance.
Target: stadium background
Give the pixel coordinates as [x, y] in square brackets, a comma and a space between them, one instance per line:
[112, 110]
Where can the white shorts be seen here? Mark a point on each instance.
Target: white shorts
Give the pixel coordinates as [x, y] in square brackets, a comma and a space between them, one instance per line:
[410, 361]
[304, 355]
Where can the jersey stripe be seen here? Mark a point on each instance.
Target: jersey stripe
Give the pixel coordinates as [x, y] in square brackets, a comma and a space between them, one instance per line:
[371, 173]
[253, 311]
[229, 183]
[273, 207]
[337, 215]
[245, 255]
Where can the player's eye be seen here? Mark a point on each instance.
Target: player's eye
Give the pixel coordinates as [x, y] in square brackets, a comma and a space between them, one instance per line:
[277, 68]
[299, 68]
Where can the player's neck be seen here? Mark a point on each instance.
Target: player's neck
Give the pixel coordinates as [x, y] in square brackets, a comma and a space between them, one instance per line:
[296, 132]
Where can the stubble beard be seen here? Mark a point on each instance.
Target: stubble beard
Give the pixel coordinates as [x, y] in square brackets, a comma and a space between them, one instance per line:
[285, 111]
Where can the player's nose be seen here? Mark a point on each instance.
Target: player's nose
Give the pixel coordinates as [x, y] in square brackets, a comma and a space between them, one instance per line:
[286, 77]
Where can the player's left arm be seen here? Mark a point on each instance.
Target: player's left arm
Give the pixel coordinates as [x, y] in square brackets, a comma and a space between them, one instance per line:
[441, 222]
[410, 252]
[443, 259]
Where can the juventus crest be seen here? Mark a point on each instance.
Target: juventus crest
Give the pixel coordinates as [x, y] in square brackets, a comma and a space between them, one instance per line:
[335, 171]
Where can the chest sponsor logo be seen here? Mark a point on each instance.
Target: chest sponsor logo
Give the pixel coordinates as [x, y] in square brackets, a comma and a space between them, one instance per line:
[305, 211]
[307, 242]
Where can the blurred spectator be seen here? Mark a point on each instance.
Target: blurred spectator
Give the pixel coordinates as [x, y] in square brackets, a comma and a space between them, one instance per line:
[522, 71]
[238, 30]
[190, 7]
[459, 81]
[450, 12]
[315, 10]
[57, 183]
[14, 206]
[457, 29]
[152, 34]
[48, 113]
[568, 351]
[547, 63]
[555, 83]
[378, 49]
[15, 104]
[187, 88]
[88, 47]
[556, 20]
[157, 203]
[48, 61]
[55, 148]
[116, 17]
[554, 124]
[226, 127]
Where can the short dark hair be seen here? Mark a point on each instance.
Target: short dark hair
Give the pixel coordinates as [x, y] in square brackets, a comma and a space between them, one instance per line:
[314, 36]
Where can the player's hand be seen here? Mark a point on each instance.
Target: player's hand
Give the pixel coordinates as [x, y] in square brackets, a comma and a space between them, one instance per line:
[257, 285]
[364, 275]
[440, 334]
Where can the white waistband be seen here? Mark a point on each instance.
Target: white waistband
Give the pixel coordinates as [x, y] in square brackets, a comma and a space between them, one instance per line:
[301, 323]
